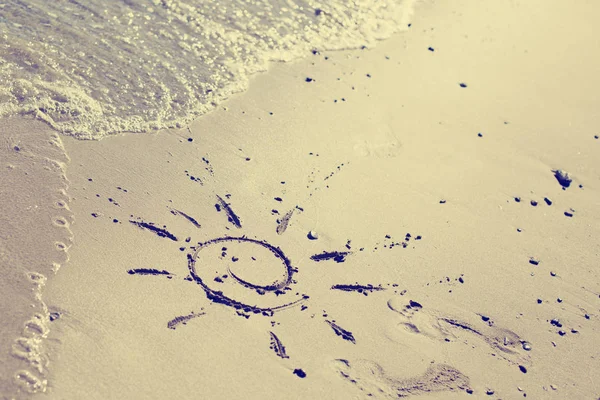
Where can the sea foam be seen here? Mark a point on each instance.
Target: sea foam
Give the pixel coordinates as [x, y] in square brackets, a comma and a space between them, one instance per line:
[94, 68]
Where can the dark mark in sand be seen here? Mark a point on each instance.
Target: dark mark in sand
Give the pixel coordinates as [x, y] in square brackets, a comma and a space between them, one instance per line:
[364, 289]
[172, 324]
[277, 346]
[147, 271]
[346, 335]
[337, 256]
[563, 177]
[158, 231]
[414, 304]
[283, 223]
[462, 326]
[298, 372]
[232, 217]
[194, 178]
[186, 216]
[522, 369]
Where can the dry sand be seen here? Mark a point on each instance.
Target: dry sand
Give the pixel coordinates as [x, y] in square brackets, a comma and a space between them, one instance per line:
[383, 143]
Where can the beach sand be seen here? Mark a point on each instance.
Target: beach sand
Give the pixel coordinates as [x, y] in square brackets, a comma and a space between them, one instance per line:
[448, 258]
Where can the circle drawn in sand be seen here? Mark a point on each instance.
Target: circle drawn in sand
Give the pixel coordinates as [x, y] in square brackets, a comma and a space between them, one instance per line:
[226, 269]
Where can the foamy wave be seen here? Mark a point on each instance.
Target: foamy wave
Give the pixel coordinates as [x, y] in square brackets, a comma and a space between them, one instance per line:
[101, 67]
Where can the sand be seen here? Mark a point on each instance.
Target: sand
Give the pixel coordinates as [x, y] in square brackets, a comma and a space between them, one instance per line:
[447, 260]
[35, 237]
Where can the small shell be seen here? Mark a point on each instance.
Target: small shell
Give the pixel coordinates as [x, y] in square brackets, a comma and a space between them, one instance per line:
[312, 235]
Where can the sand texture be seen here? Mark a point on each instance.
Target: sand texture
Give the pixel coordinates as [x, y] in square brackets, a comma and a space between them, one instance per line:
[419, 219]
[35, 236]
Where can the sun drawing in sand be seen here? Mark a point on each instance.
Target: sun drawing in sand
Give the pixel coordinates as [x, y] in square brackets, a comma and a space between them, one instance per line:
[237, 272]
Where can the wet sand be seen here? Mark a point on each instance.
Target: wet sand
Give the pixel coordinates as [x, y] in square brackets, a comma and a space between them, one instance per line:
[446, 258]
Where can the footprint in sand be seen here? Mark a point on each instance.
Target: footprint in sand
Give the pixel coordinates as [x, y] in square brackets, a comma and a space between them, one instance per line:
[380, 144]
[416, 320]
[381, 150]
[372, 379]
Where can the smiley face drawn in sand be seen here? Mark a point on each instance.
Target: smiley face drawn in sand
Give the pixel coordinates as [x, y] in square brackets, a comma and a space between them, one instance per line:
[230, 288]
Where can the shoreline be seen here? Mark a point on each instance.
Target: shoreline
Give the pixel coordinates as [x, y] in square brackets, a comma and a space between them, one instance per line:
[189, 58]
[36, 236]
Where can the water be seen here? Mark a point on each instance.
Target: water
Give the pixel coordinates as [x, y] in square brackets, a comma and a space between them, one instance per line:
[94, 68]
